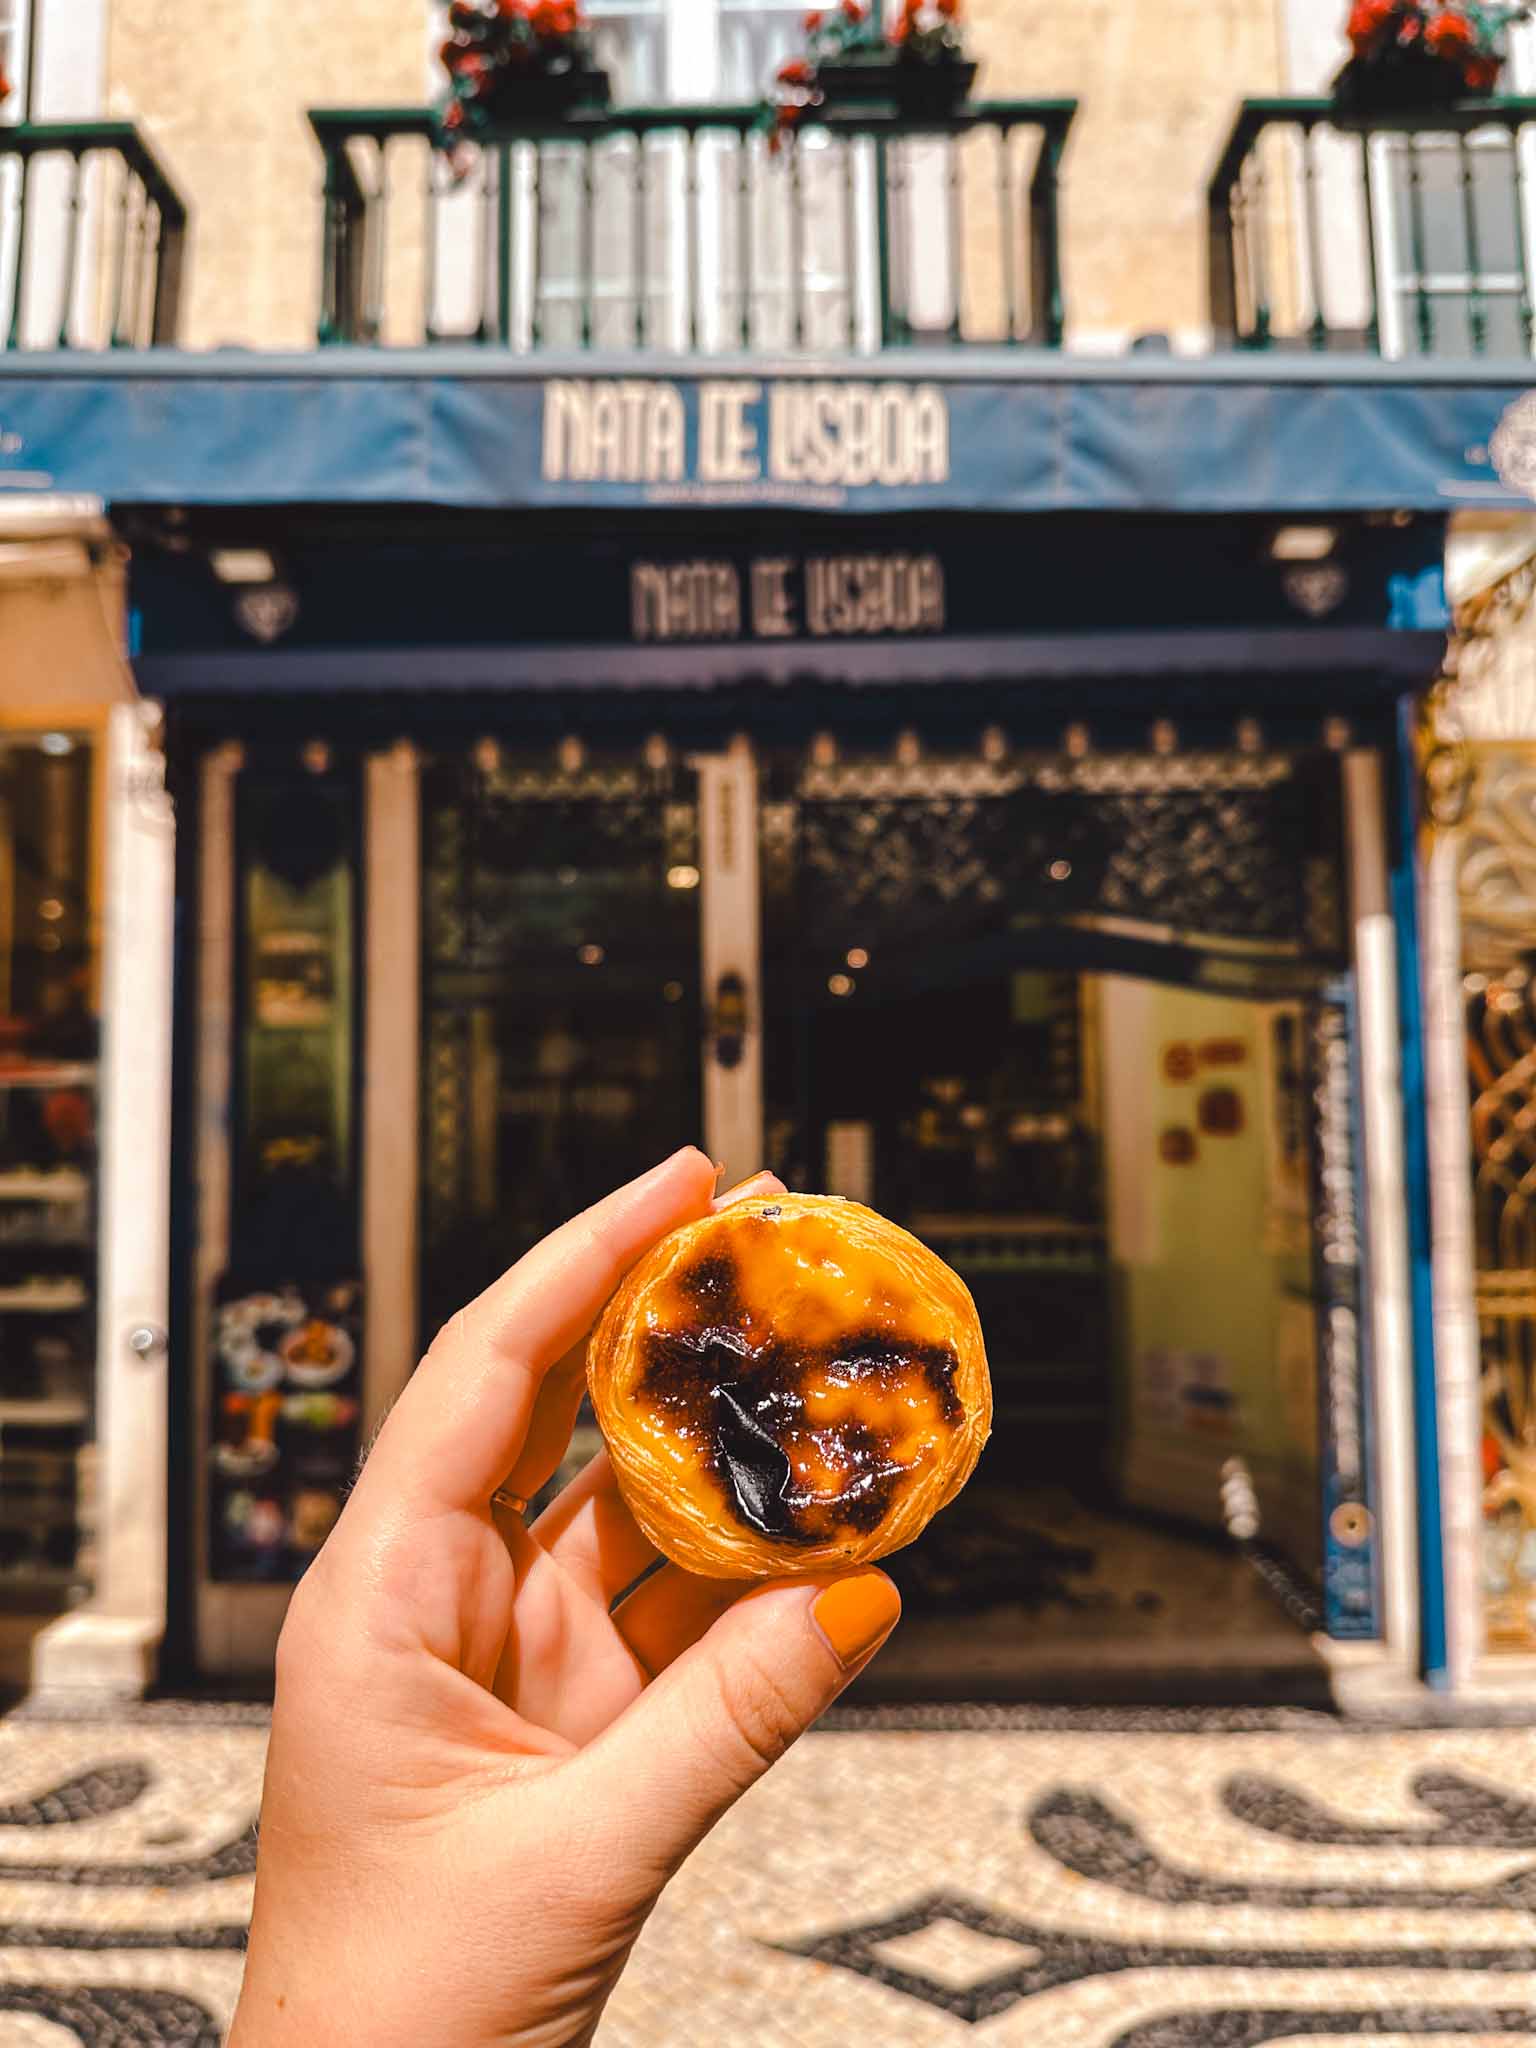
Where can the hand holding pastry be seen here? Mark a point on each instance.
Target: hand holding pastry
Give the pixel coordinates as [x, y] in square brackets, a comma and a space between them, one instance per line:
[482, 1770]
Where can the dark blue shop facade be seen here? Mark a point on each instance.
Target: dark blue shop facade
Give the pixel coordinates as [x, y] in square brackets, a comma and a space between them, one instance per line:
[986, 787]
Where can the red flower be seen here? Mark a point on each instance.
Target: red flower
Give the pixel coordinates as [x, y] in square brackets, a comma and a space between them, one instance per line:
[1480, 74]
[1366, 21]
[852, 11]
[948, 8]
[795, 72]
[814, 20]
[900, 30]
[1449, 35]
[5, 87]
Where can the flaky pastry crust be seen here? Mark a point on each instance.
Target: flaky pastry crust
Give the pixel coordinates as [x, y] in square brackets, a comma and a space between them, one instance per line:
[792, 1384]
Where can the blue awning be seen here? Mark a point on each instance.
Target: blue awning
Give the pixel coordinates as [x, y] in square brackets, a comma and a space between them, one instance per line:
[983, 431]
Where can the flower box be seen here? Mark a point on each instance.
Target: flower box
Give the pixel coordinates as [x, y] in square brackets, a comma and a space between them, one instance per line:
[532, 94]
[910, 85]
[1422, 56]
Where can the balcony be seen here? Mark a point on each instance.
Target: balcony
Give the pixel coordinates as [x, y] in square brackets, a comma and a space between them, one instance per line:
[679, 229]
[1397, 235]
[92, 234]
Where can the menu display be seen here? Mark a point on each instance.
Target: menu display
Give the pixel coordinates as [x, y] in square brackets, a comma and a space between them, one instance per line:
[285, 1422]
[284, 1356]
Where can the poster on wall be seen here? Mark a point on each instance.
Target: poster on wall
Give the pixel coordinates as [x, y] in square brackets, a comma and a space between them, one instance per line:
[284, 1422]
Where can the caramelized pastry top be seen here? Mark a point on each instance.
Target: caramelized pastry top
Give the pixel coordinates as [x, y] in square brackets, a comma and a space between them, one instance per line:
[797, 1371]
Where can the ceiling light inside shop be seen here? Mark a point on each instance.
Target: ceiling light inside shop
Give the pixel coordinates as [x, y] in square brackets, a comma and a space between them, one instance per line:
[856, 957]
[1302, 543]
[242, 565]
[50, 907]
[840, 984]
[590, 956]
[56, 743]
[682, 877]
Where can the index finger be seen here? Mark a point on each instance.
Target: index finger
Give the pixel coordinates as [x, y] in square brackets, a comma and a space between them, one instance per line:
[457, 1429]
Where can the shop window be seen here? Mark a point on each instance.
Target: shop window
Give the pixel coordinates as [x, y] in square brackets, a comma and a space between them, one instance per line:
[48, 1074]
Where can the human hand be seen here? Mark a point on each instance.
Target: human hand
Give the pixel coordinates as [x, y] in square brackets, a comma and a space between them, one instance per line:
[479, 1778]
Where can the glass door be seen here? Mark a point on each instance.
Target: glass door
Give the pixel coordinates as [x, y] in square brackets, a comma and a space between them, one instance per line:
[48, 1110]
[561, 993]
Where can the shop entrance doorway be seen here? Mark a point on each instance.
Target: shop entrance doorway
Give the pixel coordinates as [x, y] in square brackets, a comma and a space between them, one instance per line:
[1066, 1016]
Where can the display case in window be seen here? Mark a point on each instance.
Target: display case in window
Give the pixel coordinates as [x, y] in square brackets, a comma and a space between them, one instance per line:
[49, 1033]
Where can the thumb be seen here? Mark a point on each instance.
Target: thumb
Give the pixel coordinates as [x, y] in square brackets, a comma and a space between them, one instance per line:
[727, 1709]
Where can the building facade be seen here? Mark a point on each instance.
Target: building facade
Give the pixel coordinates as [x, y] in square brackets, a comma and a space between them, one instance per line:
[901, 658]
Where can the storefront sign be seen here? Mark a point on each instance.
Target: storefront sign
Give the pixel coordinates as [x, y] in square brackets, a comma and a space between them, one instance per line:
[844, 434]
[1349, 1536]
[786, 597]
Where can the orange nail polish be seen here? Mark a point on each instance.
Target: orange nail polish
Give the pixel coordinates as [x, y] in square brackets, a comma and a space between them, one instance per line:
[856, 1614]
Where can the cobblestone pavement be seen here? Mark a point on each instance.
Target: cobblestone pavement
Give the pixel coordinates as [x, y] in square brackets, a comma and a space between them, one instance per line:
[1082, 1881]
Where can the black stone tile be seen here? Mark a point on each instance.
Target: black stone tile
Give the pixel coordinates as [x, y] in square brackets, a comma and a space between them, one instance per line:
[94, 1794]
[1050, 1958]
[1250, 2029]
[1080, 1832]
[1469, 1815]
[110, 2017]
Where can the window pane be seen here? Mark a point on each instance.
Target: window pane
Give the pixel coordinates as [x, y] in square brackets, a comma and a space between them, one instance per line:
[754, 41]
[630, 45]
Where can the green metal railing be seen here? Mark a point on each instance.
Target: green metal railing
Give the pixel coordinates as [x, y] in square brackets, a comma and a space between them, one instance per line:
[92, 235]
[1396, 234]
[678, 228]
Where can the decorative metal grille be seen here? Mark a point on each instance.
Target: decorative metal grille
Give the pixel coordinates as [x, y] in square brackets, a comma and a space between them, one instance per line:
[506, 847]
[1228, 848]
[1498, 905]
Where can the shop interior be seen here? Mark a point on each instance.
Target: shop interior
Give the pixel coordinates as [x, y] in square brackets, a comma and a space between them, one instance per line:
[1120, 1171]
[48, 1097]
[1116, 1155]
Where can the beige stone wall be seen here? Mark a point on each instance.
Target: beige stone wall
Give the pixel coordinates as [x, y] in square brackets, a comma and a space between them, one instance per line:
[1159, 81]
[226, 107]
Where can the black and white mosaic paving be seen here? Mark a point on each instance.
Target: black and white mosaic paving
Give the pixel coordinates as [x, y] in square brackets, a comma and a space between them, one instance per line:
[1108, 1885]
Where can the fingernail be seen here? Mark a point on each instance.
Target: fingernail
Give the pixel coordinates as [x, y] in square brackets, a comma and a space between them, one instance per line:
[856, 1614]
[666, 1165]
